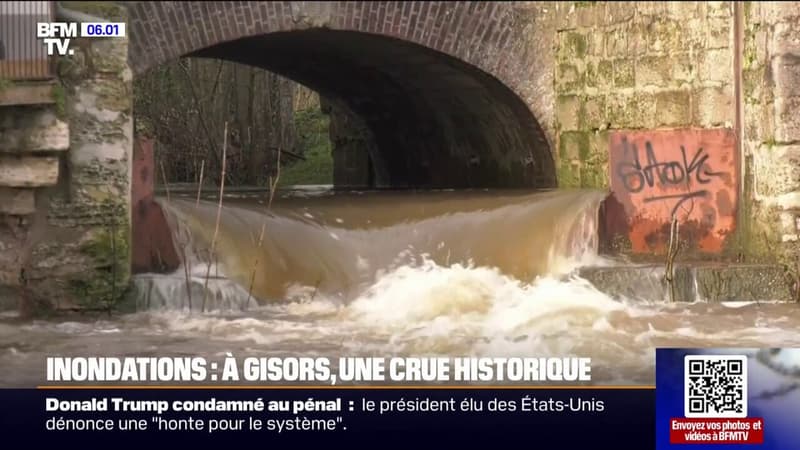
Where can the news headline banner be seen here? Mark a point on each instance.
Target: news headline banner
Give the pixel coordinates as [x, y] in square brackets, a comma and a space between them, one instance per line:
[388, 417]
[316, 371]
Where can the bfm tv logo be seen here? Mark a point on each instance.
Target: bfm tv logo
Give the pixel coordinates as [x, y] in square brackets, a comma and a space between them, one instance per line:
[56, 36]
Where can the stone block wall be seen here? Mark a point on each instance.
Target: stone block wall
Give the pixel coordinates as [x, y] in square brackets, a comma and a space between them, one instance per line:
[660, 66]
[33, 138]
[71, 236]
[637, 66]
[771, 134]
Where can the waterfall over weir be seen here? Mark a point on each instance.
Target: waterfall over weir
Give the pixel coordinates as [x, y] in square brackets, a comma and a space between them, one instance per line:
[340, 247]
[453, 274]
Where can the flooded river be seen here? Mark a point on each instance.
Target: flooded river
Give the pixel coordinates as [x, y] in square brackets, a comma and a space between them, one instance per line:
[394, 274]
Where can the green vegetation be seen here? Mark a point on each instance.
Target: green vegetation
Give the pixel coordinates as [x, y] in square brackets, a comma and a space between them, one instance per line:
[4, 84]
[109, 252]
[582, 159]
[568, 176]
[575, 45]
[750, 44]
[315, 145]
[748, 7]
[60, 99]
[770, 142]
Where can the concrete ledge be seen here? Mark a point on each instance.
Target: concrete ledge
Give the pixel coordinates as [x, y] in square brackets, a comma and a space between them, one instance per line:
[637, 282]
[713, 283]
[28, 171]
[30, 129]
[150, 291]
[742, 282]
[27, 94]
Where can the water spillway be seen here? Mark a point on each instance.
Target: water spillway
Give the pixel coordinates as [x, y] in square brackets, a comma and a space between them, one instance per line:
[447, 273]
[341, 245]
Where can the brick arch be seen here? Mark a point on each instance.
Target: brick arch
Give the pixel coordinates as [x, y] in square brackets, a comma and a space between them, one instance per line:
[443, 87]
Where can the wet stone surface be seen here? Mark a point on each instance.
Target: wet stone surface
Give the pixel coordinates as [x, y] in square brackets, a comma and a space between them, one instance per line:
[713, 283]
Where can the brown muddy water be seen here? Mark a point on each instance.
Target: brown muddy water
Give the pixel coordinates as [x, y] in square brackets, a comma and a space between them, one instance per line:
[442, 273]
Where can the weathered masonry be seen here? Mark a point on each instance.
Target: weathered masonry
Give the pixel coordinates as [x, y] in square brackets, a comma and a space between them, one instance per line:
[681, 110]
[65, 145]
[438, 85]
[684, 108]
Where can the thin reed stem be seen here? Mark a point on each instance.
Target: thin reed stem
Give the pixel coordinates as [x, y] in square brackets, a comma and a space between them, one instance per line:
[272, 186]
[672, 252]
[200, 183]
[186, 272]
[219, 213]
[164, 177]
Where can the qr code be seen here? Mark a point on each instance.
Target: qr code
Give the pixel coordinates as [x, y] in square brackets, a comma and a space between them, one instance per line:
[715, 386]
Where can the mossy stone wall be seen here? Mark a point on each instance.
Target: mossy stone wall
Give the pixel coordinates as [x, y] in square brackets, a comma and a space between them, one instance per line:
[84, 259]
[771, 134]
[670, 65]
[636, 65]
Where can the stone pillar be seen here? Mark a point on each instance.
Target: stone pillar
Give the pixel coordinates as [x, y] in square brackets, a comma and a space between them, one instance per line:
[82, 260]
[771, 131]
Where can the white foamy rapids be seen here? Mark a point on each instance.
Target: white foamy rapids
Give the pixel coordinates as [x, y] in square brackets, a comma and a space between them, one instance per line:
[423, 310]
[493, 279]
[429, 309]
[435, 310]
[459, 293]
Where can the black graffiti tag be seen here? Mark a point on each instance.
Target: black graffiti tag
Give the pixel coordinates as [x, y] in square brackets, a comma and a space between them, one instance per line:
[635, 177]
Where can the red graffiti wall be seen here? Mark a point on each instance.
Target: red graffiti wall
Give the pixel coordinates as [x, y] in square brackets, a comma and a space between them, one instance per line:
[689, 173]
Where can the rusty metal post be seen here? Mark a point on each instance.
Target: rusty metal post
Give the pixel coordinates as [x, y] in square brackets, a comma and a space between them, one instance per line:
[152, 247]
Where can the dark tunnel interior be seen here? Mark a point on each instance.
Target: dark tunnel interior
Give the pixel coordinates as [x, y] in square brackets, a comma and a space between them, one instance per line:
[434, 121]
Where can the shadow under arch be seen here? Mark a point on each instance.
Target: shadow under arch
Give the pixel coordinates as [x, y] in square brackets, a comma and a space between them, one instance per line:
[434, 120]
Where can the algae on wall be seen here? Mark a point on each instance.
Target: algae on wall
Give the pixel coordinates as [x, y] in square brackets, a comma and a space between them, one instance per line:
[581, 74]
[83, 261]
[109, 251]
[769, 231]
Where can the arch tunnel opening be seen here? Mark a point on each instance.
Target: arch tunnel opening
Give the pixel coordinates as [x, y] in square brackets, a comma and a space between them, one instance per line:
[431, 120]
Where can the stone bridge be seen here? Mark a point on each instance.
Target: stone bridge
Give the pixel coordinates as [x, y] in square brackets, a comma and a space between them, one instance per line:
[452, 92]
[678, 109]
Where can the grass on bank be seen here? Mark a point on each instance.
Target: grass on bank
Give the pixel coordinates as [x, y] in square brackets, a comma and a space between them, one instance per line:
[314, 143]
